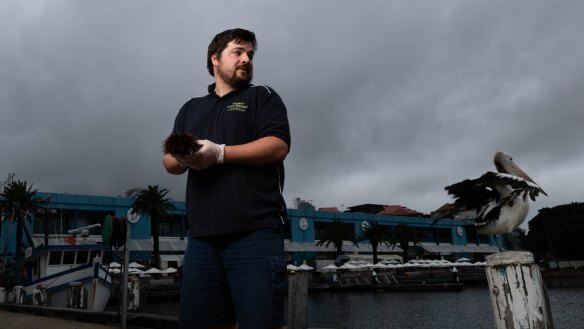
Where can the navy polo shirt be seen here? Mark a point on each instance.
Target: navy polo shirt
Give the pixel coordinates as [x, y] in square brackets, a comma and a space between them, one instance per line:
[232, 198]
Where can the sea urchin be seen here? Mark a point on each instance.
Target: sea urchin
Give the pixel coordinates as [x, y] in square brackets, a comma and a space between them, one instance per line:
[181, 144]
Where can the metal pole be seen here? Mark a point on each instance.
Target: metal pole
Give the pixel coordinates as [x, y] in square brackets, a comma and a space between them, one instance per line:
[124, 303]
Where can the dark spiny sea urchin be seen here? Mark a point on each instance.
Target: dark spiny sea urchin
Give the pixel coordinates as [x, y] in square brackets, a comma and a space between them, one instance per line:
[181, 144]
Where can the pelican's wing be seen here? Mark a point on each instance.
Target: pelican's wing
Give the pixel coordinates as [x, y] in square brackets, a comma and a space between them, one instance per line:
[476, 194]
[518, 185]
[469, 194]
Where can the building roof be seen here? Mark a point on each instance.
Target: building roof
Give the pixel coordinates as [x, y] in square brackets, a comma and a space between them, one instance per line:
[393, 210]
[368, 208]
[468, 214]
[397, 210]
[329, 209]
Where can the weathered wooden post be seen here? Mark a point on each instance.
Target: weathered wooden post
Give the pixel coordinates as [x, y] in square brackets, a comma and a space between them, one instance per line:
[76, 295]
[518, 294]
[297, 300]
[40, 295]
[135, 295]
[19, 295]
[124, 306]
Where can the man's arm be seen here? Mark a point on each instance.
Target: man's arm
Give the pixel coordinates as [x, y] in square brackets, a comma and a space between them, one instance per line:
[266, 150]
[263, 151]
[172, 165]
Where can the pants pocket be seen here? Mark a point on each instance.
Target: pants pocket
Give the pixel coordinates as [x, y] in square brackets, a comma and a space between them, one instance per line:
[279, 285]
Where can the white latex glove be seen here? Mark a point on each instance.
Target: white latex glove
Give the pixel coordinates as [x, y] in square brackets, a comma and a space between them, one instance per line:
[208, 155]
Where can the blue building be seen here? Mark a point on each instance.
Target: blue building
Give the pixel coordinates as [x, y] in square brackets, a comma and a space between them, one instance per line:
[448, 238]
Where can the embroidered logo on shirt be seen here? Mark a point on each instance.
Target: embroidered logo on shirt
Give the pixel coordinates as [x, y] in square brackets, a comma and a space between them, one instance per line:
[237, 106]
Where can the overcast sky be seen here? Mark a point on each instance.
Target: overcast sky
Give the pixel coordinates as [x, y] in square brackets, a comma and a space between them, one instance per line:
[388, 101]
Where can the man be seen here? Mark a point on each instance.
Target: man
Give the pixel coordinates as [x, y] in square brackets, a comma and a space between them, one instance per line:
[234, 266]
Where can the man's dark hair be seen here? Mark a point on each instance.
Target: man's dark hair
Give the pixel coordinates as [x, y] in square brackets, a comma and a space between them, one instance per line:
[220, 41]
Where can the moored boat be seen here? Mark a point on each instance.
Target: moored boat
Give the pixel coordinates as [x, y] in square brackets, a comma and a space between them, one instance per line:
[65, 262]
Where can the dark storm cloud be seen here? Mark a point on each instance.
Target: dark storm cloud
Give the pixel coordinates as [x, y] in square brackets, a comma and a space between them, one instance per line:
[388, 102]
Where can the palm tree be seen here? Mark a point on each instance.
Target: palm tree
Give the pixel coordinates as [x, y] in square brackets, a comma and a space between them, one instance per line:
[18, 201]
[152, 202]
[376, 234]
[335, 233]
[403, 235]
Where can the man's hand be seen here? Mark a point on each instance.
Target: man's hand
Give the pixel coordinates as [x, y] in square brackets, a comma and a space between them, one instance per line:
[208, 155]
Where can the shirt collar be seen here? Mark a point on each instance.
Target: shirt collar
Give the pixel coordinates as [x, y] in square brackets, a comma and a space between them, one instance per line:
[211, 90]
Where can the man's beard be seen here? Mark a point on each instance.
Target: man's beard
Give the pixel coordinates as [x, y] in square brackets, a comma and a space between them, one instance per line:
[233, 79]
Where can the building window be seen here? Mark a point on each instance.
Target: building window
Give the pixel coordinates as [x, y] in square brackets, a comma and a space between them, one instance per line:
[170, 225]
[473, 237]
[425, 234]
[287, 231]
[320, 229]
[86, 218]
[471, 234]
[444, 235]
[58, 221]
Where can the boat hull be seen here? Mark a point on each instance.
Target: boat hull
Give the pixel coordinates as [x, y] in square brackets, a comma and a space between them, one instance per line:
[93, 280]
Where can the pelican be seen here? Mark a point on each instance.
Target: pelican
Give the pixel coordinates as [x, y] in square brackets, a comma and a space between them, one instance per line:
[500, 200]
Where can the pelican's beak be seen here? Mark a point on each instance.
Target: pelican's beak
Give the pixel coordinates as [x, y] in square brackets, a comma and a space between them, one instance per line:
[514, 169]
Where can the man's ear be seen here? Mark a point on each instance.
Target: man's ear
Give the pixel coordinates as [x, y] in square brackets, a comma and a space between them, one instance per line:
[215, 60]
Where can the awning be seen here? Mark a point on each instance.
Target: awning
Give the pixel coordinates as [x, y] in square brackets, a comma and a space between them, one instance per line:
[447, 248]
[174, 245]
[171, 258]
[347, 247]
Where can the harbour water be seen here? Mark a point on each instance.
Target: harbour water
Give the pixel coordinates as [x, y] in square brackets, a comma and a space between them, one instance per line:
[469, 308]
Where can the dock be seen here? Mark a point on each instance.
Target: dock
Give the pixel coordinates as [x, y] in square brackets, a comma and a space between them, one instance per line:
[17, 320]
[38, 317]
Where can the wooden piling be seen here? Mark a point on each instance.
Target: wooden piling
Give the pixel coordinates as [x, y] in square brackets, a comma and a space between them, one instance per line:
[136, 295]
[40, 295]
[297, 300]
[76, 295]
[518, 294]
[19, 295]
